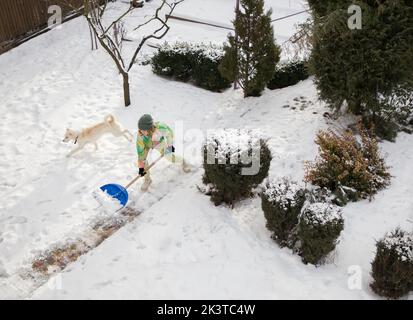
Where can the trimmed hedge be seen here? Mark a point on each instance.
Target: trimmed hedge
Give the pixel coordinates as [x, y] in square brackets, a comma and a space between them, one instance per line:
[319, 227]
[196, 63]
[289, 74]
[174, 63]
[392, 268]
[228, 154]
[304, 220]
[282, 201]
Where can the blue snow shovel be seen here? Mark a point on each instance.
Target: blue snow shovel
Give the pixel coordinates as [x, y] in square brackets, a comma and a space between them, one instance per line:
[119, 192]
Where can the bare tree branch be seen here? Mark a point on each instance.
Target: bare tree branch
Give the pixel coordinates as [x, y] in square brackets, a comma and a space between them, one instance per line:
[131, 8]
[112, 43]
[152, 19]
[153, 36]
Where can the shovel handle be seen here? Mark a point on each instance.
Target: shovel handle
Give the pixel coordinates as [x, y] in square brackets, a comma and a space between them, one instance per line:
[147, 169]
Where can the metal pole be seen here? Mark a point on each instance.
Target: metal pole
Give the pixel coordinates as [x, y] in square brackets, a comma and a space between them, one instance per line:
[236, 48]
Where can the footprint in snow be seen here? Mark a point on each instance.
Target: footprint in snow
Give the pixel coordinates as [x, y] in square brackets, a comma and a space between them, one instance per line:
[44, 201]
[102, 284]
[17, 220]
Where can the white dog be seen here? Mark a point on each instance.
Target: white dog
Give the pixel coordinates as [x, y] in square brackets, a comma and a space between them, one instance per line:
[92, 134]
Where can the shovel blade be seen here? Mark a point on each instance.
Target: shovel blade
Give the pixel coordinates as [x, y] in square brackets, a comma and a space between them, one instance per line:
[116, 191]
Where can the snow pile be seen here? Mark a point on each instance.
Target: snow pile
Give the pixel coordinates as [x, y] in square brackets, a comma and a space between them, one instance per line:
[321, 213]
[234, 143]
[211, 51]
[282, 191]
[402, 243]
[108, 204]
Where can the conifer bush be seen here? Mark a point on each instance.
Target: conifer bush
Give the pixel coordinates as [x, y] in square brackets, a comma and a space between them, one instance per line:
[235, 161]
[362, 68]
[282, 201]
[322, 7]
[392, 267]
[320, 224]
[344, 164]
[288, 74]
[196, 63]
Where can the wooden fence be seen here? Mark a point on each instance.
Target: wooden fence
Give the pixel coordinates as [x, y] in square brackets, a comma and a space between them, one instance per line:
[21, 18]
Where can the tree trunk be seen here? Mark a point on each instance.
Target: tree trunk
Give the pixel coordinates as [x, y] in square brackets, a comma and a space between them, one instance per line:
[126, 90]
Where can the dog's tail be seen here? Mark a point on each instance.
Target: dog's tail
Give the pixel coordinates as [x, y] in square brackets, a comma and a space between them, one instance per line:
[109, 119]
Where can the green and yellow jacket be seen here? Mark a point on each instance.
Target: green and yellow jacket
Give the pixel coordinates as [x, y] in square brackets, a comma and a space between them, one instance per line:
[161, 138]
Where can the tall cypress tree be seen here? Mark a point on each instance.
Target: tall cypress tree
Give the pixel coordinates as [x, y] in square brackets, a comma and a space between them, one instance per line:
[251, 58]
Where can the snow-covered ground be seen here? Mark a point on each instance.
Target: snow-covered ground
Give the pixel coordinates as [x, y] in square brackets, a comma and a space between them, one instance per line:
[181, 245]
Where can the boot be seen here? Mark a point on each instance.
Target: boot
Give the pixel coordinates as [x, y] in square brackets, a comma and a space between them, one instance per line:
[146, 183]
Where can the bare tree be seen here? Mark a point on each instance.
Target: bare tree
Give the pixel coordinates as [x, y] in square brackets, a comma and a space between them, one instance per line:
[111, 36]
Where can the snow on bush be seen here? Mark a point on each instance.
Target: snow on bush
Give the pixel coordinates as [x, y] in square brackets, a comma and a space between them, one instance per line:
[392, 267]
[321, 213]
[195, 62]
[214, 52]
[395, 114]
[282, 201]
[173, 61]
[304, 220]
[235, 161]
[320, 224]
[233, 143]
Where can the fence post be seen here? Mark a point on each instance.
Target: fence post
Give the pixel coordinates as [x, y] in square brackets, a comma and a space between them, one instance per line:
[236, 48]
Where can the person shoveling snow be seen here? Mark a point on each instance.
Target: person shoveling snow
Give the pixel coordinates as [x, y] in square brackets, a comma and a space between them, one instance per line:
[151, 135]
[158, 136]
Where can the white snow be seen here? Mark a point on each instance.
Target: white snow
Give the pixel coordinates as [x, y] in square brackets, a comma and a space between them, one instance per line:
[211, 51]
[108, 203]
[181, 245]
[235, 143]
[282, 191]
[403, 244]
[321, 213]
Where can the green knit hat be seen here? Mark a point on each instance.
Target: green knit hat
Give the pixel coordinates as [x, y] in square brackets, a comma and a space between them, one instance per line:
[145, 122]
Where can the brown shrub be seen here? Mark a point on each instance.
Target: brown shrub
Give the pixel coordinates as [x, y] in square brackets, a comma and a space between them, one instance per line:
[343, 161]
